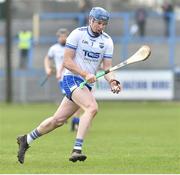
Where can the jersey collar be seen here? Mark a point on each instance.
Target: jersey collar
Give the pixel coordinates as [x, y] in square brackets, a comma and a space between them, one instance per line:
[91, 33]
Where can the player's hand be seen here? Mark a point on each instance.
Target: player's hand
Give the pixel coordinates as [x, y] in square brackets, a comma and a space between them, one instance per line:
[90, 78]
[115, 86]
[49, 71]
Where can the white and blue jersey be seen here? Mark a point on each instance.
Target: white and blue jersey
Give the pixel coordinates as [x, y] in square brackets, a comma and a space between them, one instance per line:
[56, 52]
[90, 52]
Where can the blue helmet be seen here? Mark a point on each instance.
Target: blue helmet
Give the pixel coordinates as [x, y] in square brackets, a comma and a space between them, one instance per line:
[99, 13]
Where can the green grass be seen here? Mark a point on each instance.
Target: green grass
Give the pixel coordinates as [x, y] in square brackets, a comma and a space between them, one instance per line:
[125, 137]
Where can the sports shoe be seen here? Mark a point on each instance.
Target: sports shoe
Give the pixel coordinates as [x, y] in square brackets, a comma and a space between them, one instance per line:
[23, 146]
[77, 155]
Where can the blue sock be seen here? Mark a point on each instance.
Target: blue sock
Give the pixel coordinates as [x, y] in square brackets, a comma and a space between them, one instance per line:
[75, 120]
[78, 144]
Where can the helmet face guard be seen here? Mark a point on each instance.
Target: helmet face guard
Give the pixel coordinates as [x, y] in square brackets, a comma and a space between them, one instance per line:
[99, 14]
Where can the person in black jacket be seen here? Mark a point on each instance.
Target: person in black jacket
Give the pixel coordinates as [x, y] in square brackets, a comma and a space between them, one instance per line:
[168, 10]
[140, 17]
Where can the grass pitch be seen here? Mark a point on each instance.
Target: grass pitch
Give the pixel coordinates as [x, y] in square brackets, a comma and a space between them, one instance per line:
[125, 137]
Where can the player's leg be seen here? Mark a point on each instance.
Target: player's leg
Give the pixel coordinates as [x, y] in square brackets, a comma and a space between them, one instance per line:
[86, 101]
[76, 115]
[65, 110]
[75, 120]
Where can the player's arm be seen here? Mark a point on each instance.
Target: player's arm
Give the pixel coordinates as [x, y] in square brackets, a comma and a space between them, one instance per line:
[59, 72]
[61, 69]
[110, 77]
[70, 65]
[47, 65]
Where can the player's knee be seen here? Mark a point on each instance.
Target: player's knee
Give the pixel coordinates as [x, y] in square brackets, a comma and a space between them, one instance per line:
[93, 109]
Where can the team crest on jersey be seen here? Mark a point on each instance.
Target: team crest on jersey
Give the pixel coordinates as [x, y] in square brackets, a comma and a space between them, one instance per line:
[101, 45]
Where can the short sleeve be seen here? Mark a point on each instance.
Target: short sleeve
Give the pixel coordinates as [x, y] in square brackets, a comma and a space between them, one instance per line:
[109, 49]
[72, 40]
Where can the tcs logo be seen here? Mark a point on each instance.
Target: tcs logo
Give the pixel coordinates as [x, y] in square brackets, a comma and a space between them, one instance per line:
[91, 54]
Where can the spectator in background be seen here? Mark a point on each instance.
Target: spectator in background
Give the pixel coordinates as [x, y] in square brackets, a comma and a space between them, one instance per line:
[84, 7]
[24, 45]
[140, 17]
[167, 10]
